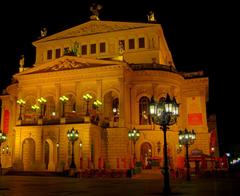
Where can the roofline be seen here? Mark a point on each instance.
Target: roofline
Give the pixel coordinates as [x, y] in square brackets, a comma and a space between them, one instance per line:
[46, 39]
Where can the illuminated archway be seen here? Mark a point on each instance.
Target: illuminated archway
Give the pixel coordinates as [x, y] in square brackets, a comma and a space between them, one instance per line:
[28, 154]
[49, 155]
[146, 154]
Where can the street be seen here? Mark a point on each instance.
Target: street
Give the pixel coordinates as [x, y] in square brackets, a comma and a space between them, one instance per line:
[62, 186]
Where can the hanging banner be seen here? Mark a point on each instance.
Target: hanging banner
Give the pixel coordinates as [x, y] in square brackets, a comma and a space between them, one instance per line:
[194, 111]
[6, 118]
[195, 119]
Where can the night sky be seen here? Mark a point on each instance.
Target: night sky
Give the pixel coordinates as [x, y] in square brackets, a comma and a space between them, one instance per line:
[194, 30]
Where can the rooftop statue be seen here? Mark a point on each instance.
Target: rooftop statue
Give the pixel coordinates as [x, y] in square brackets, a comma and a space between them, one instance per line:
[44, 32]
[95, 11]
[151, 17]
[21, 61]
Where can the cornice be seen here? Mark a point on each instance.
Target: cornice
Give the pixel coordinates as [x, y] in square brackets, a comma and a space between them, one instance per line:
[94, 27]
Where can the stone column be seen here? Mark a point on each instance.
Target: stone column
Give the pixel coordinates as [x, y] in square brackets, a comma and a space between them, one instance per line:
[99, 86]
[78, 96]
[57, 102]
[122, 101]
[99, 90]
[133, 106]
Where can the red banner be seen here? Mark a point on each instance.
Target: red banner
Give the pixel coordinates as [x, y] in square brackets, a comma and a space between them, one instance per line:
[195, 119]
[6, 116]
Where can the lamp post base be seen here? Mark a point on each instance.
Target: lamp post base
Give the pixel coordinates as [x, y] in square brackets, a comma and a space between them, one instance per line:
[166, 190]
[72, 172]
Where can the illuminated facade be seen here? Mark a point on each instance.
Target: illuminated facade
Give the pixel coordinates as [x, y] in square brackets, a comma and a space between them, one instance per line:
[120, 64]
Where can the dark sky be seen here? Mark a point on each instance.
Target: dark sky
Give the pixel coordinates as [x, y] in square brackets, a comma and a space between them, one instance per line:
[195, 32]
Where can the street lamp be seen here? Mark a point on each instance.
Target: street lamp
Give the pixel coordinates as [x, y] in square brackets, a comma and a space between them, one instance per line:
[63, 99]
[97, 104]
[3, 138]
[72, 135]
[134, 135]
[164, 113]
[21, 103]
[187, 138]
[87, 97]
[35, 108]
[42, 102]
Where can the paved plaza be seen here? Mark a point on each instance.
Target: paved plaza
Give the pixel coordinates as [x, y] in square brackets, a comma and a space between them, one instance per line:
[61, 186]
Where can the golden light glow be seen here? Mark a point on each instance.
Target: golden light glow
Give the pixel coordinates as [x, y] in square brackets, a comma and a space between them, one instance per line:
[21, 101]
[87, 97]
[42, 100]
[64, 98]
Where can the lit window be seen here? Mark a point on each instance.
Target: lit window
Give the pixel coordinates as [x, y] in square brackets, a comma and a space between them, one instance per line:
[144, 117]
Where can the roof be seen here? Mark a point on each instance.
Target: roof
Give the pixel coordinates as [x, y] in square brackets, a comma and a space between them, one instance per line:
[95, 27]
[68, 63]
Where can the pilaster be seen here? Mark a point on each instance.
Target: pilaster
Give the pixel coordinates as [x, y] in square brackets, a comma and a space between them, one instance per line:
[122, 101]
[57, 102]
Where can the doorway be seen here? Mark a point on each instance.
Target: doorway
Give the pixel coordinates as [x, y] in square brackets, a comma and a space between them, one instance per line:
[146, 155]
[28, 154]
[46, 158]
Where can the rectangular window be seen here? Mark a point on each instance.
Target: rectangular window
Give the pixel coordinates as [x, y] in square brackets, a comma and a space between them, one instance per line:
[141, 42]
[58, 53]
[49, 54]
[131, 43]
[102, 47]
[84, 49]
[93, 48]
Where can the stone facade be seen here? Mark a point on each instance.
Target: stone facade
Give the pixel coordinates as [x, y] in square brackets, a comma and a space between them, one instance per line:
[119, 63]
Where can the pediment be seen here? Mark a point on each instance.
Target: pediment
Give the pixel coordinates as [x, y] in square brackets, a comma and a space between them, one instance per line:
[68, 63]
[94, 27]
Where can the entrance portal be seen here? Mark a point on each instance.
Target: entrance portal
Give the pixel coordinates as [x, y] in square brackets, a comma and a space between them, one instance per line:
[146, 155]
[28, 154]
[46, 160]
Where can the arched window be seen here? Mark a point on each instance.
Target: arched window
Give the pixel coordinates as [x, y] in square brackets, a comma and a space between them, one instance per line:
[115, 109]
[28, 106]
[49, 109]
[144, 117]
[70, 105]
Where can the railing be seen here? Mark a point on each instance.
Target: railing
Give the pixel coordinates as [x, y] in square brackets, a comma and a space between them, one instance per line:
[153, 66]
[70, 118]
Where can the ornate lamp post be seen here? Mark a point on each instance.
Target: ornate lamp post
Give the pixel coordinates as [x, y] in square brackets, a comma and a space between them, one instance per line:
[164, 113]
[3, 138]
[35, 108]
[134, 135]
[97, 103]
[72, 135]
[42, 102]
[63, 99]
[87, 97]
[187, 138]
[21, 103]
